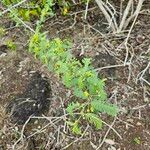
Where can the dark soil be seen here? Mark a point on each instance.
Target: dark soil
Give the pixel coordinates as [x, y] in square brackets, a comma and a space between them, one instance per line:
[102, 60]
[33, 101]
[23, 76]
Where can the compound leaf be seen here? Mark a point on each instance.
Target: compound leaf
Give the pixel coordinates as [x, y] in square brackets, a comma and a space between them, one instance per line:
[94, 119]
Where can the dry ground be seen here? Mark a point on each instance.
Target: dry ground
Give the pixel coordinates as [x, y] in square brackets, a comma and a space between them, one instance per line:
[127, 85]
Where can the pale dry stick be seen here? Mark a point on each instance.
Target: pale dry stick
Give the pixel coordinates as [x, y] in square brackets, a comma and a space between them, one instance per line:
[39, 131]
[50, 140]
[105, 136]
[113, 95]
[21, 134]
[86, 10]
[96, 30]
[113, 19]
[77, 47]
[82, 50]
[132, 8]
[145, 12]
[139, 107]
[47, 125]
[129, 66]
[144, 94]
[65, 114]
[58, 22]
[113, 129]
[93, 145]
[139, 114]
[125, 122]
[70, 27]
[141, 74]
[137, 11]
[109, 51]
[121, 10]
[14, 6]
[126, 41]
[130, 70]
[145, 81]
[107, 16]
[57, 119]
[29, 7]
[48, 118]
[111, 66]
[74, 1]
[130, 30]
[76, 139]
[115, 91]
[125, 14]
[58, 136]
[78, 12]
[21, 21]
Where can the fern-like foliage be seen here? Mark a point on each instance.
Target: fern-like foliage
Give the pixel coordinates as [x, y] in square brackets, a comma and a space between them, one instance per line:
[76, 128]
[81, 78]
[72, 106]
[94, 119]
[104, 107]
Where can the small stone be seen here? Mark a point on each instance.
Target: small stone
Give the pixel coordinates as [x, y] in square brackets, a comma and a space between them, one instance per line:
[138, 124]
[130, 120]
[19, 70]
[39, 127]
[3, 54]
[109, 141]
[32, 72]
[146, 99]
[140, 39]
[16, 128]
[36, 122]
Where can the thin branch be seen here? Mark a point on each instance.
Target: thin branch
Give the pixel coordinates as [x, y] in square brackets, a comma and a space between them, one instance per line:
[136, 13]
[111, 66]
[126, 40]
[86, 10]
[107, 16]
[113, 19]
[14, 6]
[110, 127]
[141, 74]
[125, 14]
[22, 133]
[21, 21]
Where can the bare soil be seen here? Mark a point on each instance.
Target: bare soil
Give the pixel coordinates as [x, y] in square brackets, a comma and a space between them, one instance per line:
[125, 86]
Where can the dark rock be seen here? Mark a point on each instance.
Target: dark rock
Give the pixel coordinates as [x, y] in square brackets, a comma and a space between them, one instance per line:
[34, 100]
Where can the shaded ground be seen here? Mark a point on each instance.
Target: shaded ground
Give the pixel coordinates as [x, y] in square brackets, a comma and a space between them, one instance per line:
[125, 86]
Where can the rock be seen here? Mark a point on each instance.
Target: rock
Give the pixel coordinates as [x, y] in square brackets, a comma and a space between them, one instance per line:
[34, 100]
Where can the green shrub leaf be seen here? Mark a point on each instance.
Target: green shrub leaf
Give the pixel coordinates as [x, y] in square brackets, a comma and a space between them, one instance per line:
[94, 119]
[104, 107]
